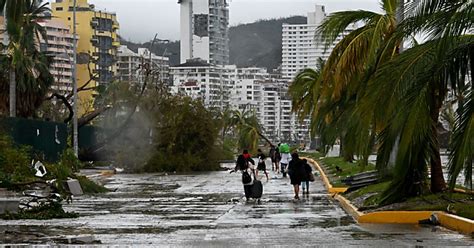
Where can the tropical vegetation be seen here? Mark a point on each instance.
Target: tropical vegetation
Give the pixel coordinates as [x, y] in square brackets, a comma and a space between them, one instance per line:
[383, 89]
[24, 77]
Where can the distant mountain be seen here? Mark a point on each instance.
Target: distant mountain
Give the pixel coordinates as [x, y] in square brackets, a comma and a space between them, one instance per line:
[253, 44]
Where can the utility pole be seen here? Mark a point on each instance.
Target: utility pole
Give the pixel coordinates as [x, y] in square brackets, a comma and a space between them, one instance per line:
[75, 140]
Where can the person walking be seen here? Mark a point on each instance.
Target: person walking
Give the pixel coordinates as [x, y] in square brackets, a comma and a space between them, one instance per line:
[261, 163]
[242, 165]
[271, 154]
[285, 158]
[296, 172]
[276, 159]
[307, 176]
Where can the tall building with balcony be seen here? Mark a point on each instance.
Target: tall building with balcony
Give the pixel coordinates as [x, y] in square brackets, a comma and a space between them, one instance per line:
[130, 65]
[300, 49]
[205, 31]
[201, 80]
[97, 46]
[59, 46]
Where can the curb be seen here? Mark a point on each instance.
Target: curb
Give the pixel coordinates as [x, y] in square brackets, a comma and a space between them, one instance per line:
[327, 184]
[453, 222]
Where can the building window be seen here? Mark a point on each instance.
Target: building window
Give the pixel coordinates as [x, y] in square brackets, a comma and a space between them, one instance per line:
[59, 8]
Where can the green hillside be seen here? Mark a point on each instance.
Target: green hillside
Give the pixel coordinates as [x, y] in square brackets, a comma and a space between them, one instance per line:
[253, 44]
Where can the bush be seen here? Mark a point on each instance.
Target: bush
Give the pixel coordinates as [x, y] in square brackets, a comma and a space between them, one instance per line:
[42, 212]
[186, 138]
[90, 187]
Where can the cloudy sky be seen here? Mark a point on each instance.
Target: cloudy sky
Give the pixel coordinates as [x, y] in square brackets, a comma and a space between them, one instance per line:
[141, 19]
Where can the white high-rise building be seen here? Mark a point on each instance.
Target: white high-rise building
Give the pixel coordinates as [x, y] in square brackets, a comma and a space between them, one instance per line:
[204, 31]
[300, 49]
[130, 65]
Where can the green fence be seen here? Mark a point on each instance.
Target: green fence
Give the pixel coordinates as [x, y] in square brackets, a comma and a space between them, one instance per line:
[48, 139]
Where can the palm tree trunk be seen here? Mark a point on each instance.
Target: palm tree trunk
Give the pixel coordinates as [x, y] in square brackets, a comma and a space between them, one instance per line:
[438, 184]
[265, 138]
[12, 92]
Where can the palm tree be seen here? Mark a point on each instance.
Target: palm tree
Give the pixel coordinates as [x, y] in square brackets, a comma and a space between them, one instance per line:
[336, 91]
[248, 129]
[418, 81]
[28, 68]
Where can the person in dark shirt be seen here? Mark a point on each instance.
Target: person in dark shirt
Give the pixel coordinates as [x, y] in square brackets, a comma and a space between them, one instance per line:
[296, 171]
[306, 178]
[242, 165]
[261, 163]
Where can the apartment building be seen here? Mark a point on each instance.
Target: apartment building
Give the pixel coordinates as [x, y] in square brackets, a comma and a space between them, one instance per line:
[97, 46]
[251, 89]
[205, 31]
[59, 46]
[300, 48]
[130, 65]
[201, 80]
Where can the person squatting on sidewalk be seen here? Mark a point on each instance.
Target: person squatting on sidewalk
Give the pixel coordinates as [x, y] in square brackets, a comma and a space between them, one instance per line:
[242, 165]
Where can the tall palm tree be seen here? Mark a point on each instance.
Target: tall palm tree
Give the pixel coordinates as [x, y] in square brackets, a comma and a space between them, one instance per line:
[418, 81]
[28, 68]
[337, 89]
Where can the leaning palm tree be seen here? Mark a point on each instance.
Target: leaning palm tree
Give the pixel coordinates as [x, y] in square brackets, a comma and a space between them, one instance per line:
[248, 129]
[418, 81]
[28, 68]
[337, 92]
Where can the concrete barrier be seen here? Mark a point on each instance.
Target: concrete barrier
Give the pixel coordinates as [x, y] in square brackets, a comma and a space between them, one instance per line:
[327, 184]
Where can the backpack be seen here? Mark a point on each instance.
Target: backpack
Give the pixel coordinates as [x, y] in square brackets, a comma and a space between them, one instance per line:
[246, 178]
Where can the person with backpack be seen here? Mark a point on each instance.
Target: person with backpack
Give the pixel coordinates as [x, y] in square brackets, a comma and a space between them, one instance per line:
[242, 165]
[261, 166]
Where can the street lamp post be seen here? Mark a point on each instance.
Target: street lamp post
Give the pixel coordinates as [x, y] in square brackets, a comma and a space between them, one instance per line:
[74, 83]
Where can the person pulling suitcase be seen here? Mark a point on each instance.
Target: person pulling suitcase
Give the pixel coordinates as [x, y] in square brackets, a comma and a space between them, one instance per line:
[242, 165]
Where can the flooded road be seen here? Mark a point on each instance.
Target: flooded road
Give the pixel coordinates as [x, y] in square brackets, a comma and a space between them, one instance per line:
[208, 209]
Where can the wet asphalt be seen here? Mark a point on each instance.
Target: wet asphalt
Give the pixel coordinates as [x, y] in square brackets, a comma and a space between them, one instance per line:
[208, 210]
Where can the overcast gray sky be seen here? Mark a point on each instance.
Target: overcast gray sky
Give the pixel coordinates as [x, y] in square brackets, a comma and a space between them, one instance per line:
[141, 19]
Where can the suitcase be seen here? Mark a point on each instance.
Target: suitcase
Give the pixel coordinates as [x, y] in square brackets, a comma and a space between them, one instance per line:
[256, 189]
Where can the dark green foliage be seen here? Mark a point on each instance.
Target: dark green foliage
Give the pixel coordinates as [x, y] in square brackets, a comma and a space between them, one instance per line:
[14, 163]
[89, 187]
[42, 212]
[186, 138]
